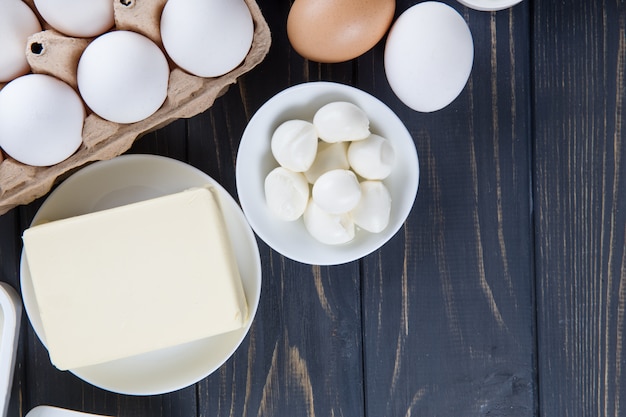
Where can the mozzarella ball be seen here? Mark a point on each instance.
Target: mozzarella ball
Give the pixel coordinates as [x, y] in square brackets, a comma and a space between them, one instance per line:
[341, 121]
[373, 211]
[337, 191]
[330, 229]
[286, 193]
[81, 19]
[207, 38]
[41, 120]
[371, 158]
[17, 23]
[329, 156]
[294, 145]
[123, 76]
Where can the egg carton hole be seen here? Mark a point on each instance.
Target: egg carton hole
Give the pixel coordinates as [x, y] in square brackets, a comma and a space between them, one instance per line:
[36, 48]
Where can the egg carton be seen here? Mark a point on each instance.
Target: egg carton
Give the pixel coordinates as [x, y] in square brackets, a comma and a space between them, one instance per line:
[50, 52]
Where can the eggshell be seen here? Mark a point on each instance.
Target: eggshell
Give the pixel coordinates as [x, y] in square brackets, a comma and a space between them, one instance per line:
[341, 121]
[371, 158]
[41, 120]
[374, 208]
[82, 19]
[429, 55]
[207, 38]
[123, 76]
[294, 145]
[337, 191]
[17, 23]
[337, 30]
[286, 193]
[330, 229]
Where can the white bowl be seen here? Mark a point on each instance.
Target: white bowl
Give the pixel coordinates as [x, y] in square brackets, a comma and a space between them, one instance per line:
[255, 161]
[124, 180]
[489, 5]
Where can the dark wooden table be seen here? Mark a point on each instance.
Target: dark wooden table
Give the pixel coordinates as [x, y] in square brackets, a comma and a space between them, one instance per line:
[503, 295]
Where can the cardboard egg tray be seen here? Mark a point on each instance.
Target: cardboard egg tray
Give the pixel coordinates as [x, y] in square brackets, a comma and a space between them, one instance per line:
[52, 53]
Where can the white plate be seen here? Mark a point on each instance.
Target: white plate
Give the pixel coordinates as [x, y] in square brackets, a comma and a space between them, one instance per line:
[255, 161]
[489, 5]
[127, 179]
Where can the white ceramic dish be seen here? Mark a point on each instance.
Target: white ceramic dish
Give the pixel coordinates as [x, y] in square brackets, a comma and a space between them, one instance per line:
[127, 179]
[489, 5]
[49, 411]
[10, 317]
[255, 161]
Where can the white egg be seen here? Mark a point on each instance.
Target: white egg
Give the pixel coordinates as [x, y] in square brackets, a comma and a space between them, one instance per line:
[337, 191]
[428, 56]
[329, 156]
[371, 158]
[81, 19]
[41, 120]
[341, 121]
[330, 229]
[294, 145]
[17, 23]
[123, 76]
[286, 193]
[373, 211]
[207, 38]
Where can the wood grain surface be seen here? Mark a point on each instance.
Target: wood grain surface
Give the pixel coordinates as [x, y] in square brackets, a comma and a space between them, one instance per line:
[504, 294]
[580, 205]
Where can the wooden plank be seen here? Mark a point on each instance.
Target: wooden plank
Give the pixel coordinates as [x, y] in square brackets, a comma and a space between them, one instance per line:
[303, 354]
[9, 250]
[580, 188]
[449, 325]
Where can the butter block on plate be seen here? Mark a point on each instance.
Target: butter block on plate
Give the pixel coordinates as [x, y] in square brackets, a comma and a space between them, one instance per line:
[134, 279]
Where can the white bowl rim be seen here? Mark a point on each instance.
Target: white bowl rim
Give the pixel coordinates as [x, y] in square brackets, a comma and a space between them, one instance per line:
[489, 5]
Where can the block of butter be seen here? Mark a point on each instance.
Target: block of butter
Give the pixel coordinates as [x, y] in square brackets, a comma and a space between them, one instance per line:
[133, 279]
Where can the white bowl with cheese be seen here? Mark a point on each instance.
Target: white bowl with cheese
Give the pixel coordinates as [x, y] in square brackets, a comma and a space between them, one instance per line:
[255, 161]
[122, 182]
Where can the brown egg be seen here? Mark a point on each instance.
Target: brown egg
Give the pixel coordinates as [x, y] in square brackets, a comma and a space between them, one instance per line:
[331, 31]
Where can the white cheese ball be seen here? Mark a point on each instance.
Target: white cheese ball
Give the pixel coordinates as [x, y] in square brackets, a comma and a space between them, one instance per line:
[286, 193]
[337, 191]
[371, 158]
[330, 229]
[41, 120]
[294, 145]
[207, 38]
[341, 121]
[81, 19]
[123, 76]
[17, 23]
[329, 156]
[374, 209]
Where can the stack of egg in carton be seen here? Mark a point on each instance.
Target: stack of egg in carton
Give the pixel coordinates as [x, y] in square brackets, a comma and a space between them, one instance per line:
[53, 53]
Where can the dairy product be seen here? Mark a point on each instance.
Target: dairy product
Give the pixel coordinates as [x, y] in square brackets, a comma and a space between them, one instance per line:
[294, 145]
[330, 229]
[341, 121]
[286, 193]
[371, 158]
[329, 156]
[134, 279]
[374, 208]
[337, 191]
